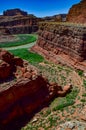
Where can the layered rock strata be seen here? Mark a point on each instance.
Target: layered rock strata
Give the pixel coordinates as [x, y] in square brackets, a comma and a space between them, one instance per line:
[26, 92]
[16, 21]
[57, 40]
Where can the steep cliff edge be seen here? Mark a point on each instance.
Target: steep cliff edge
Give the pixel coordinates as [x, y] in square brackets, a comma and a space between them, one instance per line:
[77, 13]
[62, 43]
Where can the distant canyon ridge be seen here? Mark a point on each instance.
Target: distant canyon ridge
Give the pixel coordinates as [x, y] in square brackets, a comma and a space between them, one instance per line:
[16, 21]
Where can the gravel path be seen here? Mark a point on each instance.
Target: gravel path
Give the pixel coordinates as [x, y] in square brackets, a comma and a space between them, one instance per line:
[72, 125]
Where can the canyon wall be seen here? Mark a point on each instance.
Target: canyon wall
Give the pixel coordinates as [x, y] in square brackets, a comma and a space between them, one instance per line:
[77, 13]
[66, 38]
[58, 39]
[21, 29]
[16, 21]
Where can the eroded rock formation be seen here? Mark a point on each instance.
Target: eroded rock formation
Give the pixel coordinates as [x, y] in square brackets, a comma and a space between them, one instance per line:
[8, 64]
[77, 13]
[62, 43]
[16, 21]
[13, 12]
[26, 92]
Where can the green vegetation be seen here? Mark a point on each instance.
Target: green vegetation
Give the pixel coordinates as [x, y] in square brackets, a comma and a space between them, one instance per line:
[33, 58]
[80, 72]
[83, 100]
[84, 83]
[65, 101]
[84, 95]
[56, 73]
[22, 39]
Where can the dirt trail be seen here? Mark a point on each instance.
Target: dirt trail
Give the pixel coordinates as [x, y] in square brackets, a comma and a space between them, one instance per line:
[29, 45]
[77, 81]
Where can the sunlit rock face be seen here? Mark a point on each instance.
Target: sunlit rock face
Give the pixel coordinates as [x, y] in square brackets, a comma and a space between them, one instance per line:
[62, 43]
[77, 13]
[69, 39]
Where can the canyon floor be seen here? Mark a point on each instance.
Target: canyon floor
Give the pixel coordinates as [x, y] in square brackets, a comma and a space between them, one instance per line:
[63, 113]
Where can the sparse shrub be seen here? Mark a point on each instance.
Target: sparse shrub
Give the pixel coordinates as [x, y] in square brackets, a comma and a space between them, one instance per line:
[48, 112]
[84, 83]
[80, 72]
[61, 106]
[83, 100]
[67, 101]
[84, 95]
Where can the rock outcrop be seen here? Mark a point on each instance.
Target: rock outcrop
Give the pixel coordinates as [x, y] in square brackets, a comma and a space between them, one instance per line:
[77, 13]
[5, 70]
[16, 21]
[13, 12]
[62, 43]
[27, 92]
[8, 64]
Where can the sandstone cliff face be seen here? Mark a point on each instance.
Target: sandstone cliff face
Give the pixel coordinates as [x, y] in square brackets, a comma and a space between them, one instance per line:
[16, 21]
[58, 42]
[2, 30]
[77, 13]
[63, 38]
[27, 92]
[21, 29]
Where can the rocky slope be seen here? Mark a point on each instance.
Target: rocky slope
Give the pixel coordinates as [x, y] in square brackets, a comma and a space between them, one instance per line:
[22, 88]
[77, 13]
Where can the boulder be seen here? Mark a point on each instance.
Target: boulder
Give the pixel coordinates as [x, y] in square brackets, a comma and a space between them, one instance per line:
[6, 56]
[18, 61]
